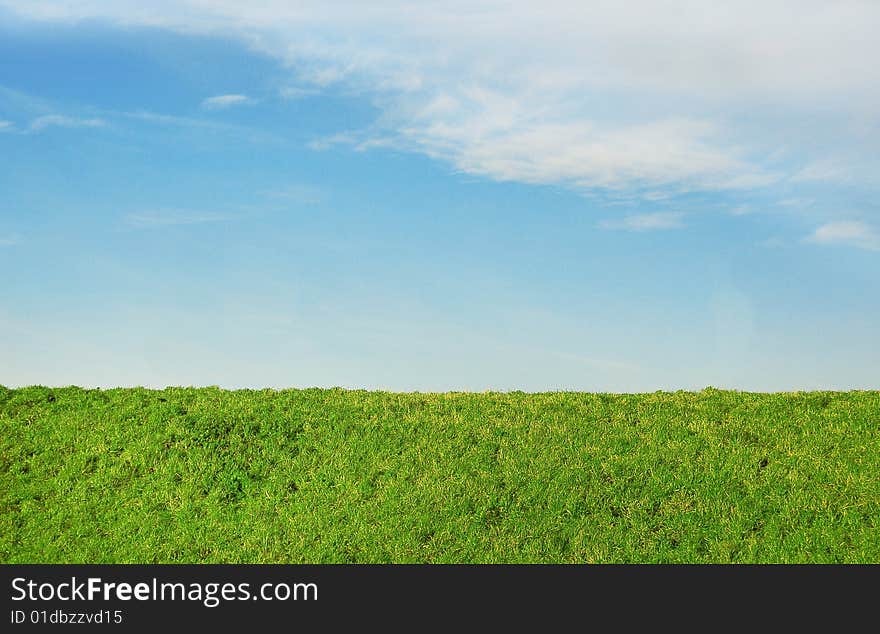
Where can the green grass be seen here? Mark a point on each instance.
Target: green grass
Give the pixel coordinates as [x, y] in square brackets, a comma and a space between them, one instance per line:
[207, 475]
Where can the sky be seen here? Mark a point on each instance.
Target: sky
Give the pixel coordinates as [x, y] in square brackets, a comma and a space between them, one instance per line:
[429, 196]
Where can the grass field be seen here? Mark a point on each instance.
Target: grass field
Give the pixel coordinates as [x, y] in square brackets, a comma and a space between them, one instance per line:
[207, 475]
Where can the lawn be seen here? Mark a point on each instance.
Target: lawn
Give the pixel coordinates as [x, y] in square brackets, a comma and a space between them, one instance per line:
[209, 475]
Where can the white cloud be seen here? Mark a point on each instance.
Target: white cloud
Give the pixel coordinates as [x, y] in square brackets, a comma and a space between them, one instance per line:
[847, 232]
[6, 126]
[823, 171]
[861, 168]
[671, 152]
[644, 96]
[297, 92]
[646, 222]
[326, 143]
[219, 102]
[63, 121]
[169, 217]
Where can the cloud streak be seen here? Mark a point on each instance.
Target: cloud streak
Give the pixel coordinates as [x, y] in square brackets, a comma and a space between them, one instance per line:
[297, 92]
[848, 233]
[62, 121]
[646, 222]
[222, 102]
[9, 240]
[298, 194]
[155, 219]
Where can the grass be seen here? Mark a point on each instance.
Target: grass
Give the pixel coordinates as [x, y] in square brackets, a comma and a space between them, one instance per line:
[207, 475]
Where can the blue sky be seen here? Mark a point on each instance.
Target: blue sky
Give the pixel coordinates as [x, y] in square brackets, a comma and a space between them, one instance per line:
[440, 196]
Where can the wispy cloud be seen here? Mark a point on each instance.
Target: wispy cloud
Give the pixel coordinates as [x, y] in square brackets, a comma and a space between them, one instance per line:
[23, 105]
[9, 240]
[220, 102]
[43, 114]
[194, 123]
[298, 92]
[773, 243]
[675, 152]
[823, 171]
[333, 140]
[852, 233]
[170, 217]
[741, 210]
[63, 121]
[646, 222]
[167, 119]
[613, 96]
[796, 202]
[296, 193]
